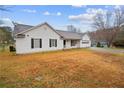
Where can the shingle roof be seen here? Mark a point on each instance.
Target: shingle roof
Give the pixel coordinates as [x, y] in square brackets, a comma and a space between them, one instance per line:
[69, 35]
[21, 27]
[65, 34]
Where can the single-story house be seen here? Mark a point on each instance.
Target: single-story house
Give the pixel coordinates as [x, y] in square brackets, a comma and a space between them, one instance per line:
[43, 37]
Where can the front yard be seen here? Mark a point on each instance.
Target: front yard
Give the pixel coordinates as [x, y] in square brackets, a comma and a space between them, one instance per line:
[68, 68]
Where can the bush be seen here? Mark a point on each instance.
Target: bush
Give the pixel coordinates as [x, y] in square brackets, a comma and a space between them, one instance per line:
[12, 49]
[119, 40]
[98, 44]
[102, 46]
[118, 43]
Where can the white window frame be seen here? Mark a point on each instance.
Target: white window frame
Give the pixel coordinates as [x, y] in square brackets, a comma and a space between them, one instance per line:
[53, 42]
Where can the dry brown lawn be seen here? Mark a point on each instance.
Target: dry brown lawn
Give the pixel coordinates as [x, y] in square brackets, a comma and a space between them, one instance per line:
[69, 68]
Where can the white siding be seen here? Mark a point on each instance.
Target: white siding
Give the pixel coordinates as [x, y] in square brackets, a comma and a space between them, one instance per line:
[85, 38]
[23, 45]
[44, 32]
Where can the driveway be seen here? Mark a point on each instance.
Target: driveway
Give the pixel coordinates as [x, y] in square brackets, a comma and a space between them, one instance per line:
[107, 50]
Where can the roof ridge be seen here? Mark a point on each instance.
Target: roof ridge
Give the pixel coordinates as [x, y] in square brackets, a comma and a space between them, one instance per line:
[69, 31]
[15, 23]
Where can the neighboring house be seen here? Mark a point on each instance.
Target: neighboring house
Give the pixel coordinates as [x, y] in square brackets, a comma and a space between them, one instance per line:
[43, 37]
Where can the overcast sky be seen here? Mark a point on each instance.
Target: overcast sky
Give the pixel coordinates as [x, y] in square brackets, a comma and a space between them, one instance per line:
[59, 16]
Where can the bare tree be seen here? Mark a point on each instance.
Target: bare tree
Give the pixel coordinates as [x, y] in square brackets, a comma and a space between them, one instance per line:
[119, 17]
[108, 25]
[99, 22]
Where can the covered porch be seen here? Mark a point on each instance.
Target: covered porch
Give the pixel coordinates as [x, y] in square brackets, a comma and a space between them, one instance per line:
[69, 43]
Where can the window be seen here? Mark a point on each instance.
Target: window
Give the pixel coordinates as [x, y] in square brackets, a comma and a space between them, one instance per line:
[73, 42]
[85, 42]
[53, 42]
[36, 43]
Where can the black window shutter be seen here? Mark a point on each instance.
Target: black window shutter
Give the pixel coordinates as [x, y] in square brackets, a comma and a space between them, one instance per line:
[50, 42]
[32, 43]
[56, 43]
[40, 43]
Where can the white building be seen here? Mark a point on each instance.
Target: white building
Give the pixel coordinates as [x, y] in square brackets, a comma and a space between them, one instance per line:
[43, 37]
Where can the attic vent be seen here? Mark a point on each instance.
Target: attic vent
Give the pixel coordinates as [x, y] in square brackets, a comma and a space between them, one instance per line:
[20, 36]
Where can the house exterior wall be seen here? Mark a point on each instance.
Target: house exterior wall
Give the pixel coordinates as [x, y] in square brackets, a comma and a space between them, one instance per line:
[44, 32]
[85, 38]
[23, 45]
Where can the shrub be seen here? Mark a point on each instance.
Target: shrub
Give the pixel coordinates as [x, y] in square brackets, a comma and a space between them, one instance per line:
[98, 44]
[119, 40]
[12, 49]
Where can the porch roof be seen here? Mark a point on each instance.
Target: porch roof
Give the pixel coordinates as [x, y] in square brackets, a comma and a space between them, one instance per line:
[69, 35]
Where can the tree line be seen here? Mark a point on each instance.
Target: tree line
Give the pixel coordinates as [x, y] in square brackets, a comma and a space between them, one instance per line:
[5, 38]
[109, 27]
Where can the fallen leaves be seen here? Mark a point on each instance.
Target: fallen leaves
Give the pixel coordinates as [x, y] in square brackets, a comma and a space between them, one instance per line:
[70, 68]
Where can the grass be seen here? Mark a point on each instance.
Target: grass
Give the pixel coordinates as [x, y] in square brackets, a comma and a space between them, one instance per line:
[68, 68]
[4, 48]
[114, 48]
